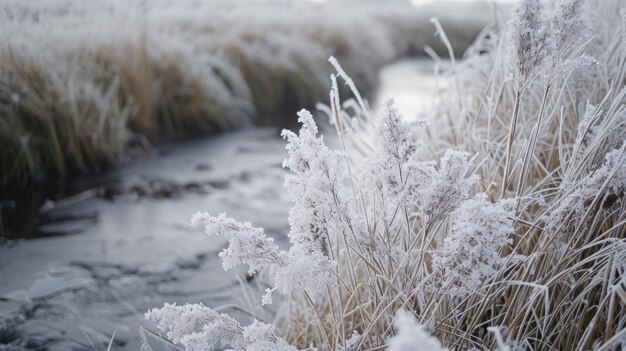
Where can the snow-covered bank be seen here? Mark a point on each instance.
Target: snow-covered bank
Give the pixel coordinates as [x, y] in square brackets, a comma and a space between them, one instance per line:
[77, 76]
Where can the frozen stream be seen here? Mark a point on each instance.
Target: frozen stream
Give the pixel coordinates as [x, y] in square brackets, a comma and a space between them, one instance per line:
[131, 247]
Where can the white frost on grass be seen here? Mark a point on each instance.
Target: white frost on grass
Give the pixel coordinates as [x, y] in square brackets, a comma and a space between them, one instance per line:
[247, 245]
[199, 328]
[195, 326]
[448, 186]
[463, 263]
[471, 253]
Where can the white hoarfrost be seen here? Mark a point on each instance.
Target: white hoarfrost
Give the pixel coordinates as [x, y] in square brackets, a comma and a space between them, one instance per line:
[396, 176]
[568, 26]
[528, 42]
[606, 184]
[314, 189]
[318, 209]
[471, 253]
[247, 244]
[540, 44]
[448, 186]
[195, 326]
[393, 176]
[199, 328]
[261, 337]
[393, 172]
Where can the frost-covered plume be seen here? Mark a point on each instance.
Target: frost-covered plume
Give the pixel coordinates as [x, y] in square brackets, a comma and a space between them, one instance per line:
[528, 45]
[319, 208]
[395, 135]
[471, 252]
[199, 328]
[393, 172]
[313, 187]
[410, 336]
[541, 46]
[400, 178]
[247, 244]
[565, 29]
[318, 211]
[195, 326]
[448, 186]
[569, 28]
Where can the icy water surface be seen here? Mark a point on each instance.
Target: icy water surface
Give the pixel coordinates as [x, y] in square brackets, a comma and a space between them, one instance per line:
[128, 245]
[132, 247]
[412, 84]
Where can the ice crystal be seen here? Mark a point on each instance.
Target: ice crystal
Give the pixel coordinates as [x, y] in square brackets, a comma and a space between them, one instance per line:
[540, 46]
[471, 252]
[395, 135]
[410, 336]
[318, 210]
[585, 132]
[568, 28]
[249, 245]
[396, 173]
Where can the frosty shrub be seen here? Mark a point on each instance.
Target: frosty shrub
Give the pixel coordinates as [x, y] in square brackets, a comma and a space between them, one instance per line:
[506, 232]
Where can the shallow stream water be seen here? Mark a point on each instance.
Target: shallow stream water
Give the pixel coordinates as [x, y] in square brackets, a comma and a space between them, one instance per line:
[127, 246]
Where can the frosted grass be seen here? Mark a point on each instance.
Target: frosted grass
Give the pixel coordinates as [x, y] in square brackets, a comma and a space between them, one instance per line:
[80, 80]
[518, 242]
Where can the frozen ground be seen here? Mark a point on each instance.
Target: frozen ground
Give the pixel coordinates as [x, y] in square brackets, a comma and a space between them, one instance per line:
[130, 245]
